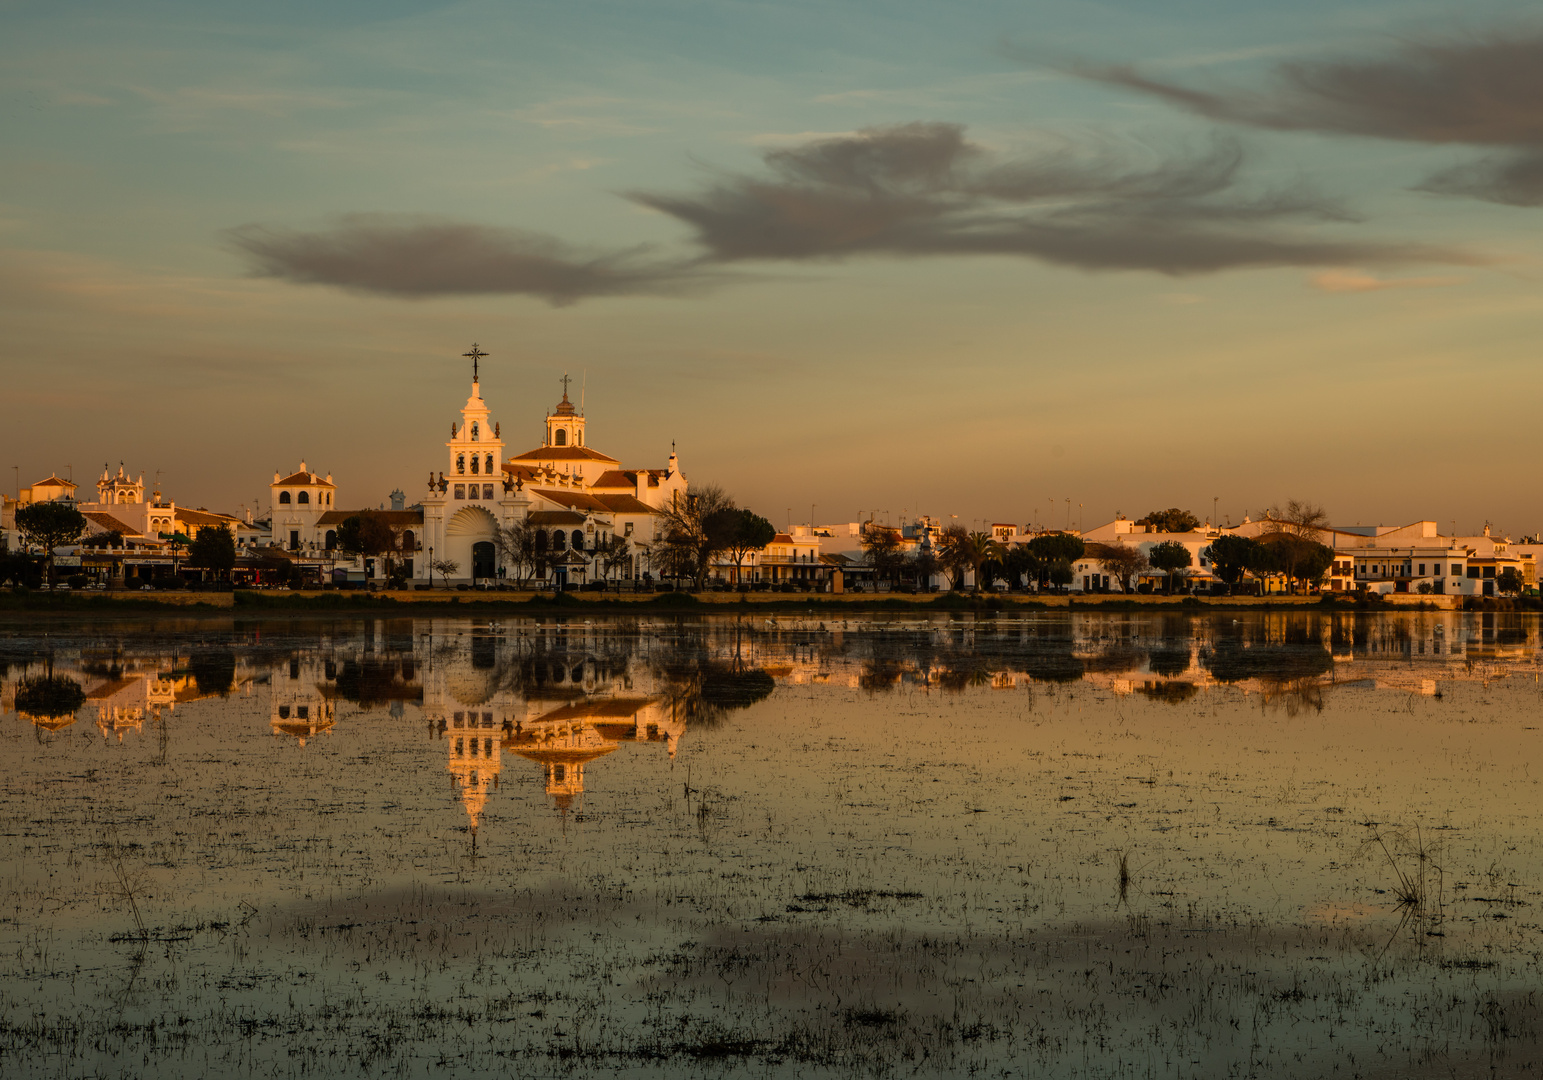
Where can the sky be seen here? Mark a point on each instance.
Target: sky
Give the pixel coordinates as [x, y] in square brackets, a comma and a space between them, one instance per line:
[1035, 262]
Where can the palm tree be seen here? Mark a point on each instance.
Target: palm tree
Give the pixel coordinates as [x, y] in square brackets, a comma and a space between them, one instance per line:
[969, 551]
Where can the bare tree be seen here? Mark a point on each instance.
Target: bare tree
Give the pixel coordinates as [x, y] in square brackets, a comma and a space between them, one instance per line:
[1292, 533]
[697, 526]
[516, 546]
[444, 568]
[614, 555]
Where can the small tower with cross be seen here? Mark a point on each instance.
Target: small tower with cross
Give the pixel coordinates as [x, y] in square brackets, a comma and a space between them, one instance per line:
[564, 424]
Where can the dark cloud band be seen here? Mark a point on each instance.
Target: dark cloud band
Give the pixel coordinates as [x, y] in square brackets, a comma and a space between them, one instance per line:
[1478, 92]
[910, 191]
[412, 257]
[925, 190]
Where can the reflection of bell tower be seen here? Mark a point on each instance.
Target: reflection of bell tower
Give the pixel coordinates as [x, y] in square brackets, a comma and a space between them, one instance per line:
[565, 425]
[300, 704]
[475, 759]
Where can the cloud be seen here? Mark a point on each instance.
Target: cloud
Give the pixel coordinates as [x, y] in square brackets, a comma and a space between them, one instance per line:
[1485, 91]
[924, 189]
[1513, 179]
[415, 257]
[1346, 280]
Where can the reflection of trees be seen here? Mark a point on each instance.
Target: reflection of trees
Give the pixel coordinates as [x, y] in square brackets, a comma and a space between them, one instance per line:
[880, 673]
[1234, 660]
[374, 681]
[1170, 693]
[49, 697]
[1293, 695]
[214, 670]
[1169, 662]
[1053, 666]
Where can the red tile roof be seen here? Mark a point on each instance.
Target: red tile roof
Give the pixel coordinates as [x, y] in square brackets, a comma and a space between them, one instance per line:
[616, 478]
[563, 453]
[555, 517]
[307, 478]
[109, 523]
[574, 500]
[625, 504]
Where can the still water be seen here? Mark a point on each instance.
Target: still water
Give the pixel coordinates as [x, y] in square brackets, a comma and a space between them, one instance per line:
[1126, 845]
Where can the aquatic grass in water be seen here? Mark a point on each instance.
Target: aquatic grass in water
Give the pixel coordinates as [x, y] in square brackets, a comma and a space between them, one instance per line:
[712, 847]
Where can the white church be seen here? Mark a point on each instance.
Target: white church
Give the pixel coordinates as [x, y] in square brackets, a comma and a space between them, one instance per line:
[575, 497]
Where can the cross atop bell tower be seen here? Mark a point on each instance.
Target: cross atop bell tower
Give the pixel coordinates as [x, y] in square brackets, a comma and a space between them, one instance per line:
[476, 354]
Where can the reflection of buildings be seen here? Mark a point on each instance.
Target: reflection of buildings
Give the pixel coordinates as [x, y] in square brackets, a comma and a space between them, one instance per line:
[124, 703]
[1160, 655]
[473, 744]
[126, 690]
[555, 698]
[301, 698]
[567, 738]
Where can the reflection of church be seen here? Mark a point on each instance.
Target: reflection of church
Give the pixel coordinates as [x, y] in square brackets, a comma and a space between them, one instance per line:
[564, 740]
[569, 708]
[301, 701]
[575, 496]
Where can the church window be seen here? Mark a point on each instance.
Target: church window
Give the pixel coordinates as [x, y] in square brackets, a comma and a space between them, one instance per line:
[578, 540]
[560, 437]
[303, 712]
[558, 539]
[283, 498]
[283, 712]
[460, 491]
[474, 431]
[332, 540]
[460, 463]
[409, 541]
[329, 500]
[540, 540]
[305, 498]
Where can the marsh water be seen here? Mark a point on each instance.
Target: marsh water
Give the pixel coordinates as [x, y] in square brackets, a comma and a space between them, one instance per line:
[1124, 845]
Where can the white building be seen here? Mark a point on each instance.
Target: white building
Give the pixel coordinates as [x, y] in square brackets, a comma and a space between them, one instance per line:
[576, 497]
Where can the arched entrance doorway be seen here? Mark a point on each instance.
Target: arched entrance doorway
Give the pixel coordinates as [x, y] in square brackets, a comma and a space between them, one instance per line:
[482, 561]
[469, 543]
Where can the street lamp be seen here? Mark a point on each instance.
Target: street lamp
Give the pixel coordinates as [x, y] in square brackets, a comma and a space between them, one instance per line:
[431, 568]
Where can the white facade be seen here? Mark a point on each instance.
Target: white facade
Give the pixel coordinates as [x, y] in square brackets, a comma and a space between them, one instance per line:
[470, 499]
[296, 504]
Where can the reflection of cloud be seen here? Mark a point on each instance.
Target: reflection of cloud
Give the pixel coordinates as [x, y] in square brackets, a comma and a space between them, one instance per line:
[925, 190]
[1355, 281]
[415, 257]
